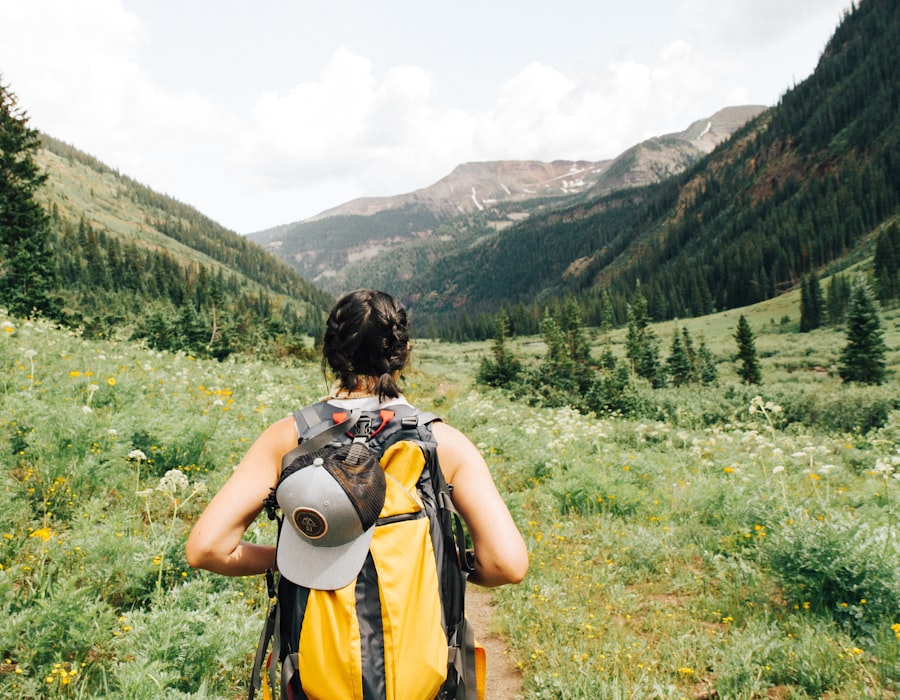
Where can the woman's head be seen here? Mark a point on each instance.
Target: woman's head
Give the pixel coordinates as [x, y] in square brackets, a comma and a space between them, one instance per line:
[367, 335]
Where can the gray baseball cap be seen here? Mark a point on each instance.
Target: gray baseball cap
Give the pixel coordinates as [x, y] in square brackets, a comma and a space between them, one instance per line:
[331, 500]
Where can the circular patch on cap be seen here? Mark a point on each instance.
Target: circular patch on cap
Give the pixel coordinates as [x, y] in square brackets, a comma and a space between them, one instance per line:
[310, 522]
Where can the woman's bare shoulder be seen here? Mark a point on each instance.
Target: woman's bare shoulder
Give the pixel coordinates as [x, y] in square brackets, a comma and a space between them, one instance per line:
[451, 439]
[445, 430]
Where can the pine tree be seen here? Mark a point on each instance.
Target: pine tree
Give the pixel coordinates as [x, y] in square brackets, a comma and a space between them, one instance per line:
[863, 358]
[810, 303]
[816, 299]
[576, 336]
[641, 343]
[607, 314]
[706, 364]
[27, 268]
[838, 298]
[607, 321]
[557, 365]
[749, 370]
[678, 363]
[887, 263]
[554, 380]
[505, 368]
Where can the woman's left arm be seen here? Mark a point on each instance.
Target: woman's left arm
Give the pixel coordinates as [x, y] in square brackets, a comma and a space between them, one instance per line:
[500, 553]
[216, 540]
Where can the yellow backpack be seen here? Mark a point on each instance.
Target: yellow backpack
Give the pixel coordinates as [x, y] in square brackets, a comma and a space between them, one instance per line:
[397, 630]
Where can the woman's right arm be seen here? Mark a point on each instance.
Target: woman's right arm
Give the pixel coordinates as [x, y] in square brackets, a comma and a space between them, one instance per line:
[216, 540]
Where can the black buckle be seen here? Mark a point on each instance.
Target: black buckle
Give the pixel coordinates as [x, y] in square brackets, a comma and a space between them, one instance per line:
[363, 429]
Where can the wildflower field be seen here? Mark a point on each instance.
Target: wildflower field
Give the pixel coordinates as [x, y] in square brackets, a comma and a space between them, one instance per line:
[720, 548]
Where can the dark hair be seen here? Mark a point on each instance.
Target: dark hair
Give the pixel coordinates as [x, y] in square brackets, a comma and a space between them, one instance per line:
[367, 334]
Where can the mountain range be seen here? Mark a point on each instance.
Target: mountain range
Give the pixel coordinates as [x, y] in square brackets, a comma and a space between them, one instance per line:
[335, 247]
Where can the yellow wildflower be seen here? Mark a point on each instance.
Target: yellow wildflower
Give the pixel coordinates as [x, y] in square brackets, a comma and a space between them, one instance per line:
[43, 533]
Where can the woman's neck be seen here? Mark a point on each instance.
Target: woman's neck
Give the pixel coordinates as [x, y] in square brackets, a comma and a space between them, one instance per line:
[365, 387]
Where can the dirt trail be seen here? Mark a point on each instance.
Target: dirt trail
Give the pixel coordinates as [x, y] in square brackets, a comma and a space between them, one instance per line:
[504, 681]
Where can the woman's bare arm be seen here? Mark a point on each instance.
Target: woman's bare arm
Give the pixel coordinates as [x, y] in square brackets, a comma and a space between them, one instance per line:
[216, 540]
[500, 553]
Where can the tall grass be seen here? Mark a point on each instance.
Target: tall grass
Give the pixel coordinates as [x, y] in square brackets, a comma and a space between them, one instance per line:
[721, 548]
[722, 562]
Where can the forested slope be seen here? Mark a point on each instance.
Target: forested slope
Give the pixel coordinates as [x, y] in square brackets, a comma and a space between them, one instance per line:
[131, 259]
[795, 190]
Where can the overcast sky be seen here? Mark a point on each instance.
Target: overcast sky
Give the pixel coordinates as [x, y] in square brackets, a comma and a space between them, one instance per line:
[265, 112]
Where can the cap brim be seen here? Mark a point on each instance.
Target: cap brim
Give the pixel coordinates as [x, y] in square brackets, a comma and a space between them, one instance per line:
[321, 568]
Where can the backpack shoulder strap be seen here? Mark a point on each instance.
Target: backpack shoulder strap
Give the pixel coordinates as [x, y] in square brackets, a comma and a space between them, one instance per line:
[316, 436]
[309, 418]
[404, 418]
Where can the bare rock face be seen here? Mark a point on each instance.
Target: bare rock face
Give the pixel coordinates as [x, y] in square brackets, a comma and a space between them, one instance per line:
[660, 157]
[474, 187]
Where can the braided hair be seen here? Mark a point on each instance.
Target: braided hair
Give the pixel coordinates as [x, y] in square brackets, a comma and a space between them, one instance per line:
[367, 335]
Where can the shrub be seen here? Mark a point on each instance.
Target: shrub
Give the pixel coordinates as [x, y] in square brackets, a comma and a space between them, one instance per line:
[845, 409]
[838, 566]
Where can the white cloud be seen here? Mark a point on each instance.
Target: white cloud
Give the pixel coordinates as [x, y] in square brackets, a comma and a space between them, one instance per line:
[81, 81]
[366, 124]
[346, 124]
[313, 129]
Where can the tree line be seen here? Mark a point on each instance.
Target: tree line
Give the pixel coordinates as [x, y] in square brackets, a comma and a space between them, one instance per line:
[568, 374]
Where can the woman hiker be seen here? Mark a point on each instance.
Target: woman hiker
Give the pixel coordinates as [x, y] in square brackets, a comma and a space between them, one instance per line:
[366, 346]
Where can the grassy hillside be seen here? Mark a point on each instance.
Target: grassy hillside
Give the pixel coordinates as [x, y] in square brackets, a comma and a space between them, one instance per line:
[136, 261]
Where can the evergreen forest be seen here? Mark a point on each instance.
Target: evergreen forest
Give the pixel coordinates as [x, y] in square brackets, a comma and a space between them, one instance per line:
[799, 189]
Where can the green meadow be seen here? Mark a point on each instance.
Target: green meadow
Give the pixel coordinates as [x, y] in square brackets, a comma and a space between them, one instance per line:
[734, 542]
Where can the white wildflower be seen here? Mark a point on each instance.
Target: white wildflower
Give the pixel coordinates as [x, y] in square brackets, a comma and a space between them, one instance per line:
[778, 470]
[172, 482]
[883, 467]
[87, 409]
[137, 456]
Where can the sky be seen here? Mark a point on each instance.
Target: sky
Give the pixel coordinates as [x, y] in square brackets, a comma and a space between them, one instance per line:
[267, 112]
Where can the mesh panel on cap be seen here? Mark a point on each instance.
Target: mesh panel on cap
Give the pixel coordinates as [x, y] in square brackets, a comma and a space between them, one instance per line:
[358, 472]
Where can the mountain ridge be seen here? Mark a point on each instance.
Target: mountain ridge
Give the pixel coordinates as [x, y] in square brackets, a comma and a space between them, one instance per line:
[477, 200]
[529, 179]
[130, 259]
